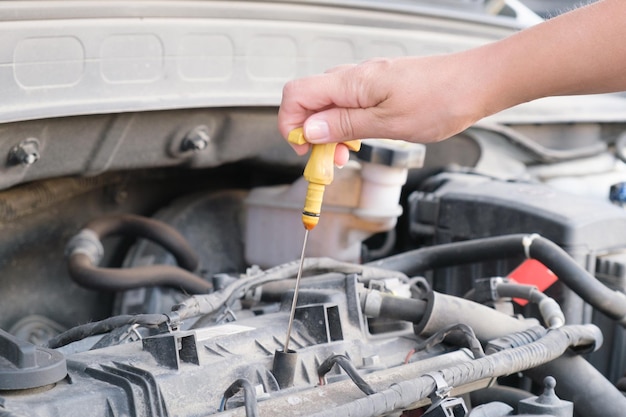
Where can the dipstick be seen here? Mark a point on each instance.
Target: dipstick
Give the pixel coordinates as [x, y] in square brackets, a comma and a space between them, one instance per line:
[295, 292]
[319, 173]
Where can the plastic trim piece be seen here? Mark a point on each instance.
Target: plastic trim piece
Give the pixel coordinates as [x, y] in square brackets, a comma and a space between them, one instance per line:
[65, 58]
[24, 365]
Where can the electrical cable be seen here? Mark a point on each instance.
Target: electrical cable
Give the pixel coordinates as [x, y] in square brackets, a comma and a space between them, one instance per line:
[249, 396]
[205, 304]
[546, 350]
[199, 305]
[85, 251]
[344, 362]
[99, 327]
[468, 337]
[610, 302]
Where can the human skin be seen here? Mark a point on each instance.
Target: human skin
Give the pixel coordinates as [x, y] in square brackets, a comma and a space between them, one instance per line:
[428, 99]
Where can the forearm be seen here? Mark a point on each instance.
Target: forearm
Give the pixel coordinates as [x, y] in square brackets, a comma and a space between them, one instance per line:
[426, 99]
[581, 52]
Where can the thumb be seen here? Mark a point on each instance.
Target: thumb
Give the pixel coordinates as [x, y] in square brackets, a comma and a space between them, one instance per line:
[342, 124]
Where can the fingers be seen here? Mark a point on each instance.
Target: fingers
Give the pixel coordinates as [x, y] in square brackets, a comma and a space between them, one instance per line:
[417, 99]
[342, 154]
[341, 124]
[301, 149]
[304, 97]
[342, 87]
[340, 68]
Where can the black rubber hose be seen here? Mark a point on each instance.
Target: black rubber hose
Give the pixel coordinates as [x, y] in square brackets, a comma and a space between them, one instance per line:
[549, 309]
[527, 292]
[409, 309]
[99, 327]
[610, 302]
[375, 303]
[151, 229]
[112, 279]
[344, 362]
[85, 251]
[249, 396]
[578, 381]
[444, 310]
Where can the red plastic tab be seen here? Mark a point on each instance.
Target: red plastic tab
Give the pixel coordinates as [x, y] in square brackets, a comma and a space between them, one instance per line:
[532, 272]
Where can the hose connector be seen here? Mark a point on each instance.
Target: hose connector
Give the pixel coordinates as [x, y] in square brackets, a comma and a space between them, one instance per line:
[88, 243]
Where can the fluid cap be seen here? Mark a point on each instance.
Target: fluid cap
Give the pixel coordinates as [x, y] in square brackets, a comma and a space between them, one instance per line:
[392, 153]
[547, 403]
[24, 365]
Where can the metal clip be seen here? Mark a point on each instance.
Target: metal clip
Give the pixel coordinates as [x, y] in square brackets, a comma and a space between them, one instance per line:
[226, 316]
[442, 389]
[527, 241]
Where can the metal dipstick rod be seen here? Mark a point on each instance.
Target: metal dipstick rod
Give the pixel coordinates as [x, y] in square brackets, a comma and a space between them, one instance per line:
[319, 173]
[295, 293]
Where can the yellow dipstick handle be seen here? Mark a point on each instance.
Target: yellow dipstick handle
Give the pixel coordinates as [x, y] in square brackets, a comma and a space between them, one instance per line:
[318, 172]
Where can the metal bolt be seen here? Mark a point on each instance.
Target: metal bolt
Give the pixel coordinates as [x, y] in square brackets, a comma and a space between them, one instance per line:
[25, 153]
[196, 140]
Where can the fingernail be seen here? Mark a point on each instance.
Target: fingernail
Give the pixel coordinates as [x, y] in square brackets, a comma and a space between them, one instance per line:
[340, 166]
[316, 131]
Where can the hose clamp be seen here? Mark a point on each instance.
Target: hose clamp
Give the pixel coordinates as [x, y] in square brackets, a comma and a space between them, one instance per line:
[527, 241]
[88, 243]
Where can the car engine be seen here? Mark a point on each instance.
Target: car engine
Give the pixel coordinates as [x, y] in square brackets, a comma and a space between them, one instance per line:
[150, 240]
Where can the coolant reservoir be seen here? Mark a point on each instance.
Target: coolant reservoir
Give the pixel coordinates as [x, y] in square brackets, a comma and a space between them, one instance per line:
[362, 200]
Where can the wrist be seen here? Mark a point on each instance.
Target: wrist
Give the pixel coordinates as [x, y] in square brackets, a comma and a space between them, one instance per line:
[491, 87]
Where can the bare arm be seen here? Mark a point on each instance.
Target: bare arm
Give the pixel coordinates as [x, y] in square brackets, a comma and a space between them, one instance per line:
[427, 99]
[581, 52]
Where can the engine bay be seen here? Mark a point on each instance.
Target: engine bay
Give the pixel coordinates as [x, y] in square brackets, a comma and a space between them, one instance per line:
[488, 293]
[150, 216]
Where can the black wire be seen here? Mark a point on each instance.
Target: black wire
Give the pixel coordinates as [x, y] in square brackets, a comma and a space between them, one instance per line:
[344, 362]
[249, 396]
[104, 326]
[468, 337]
